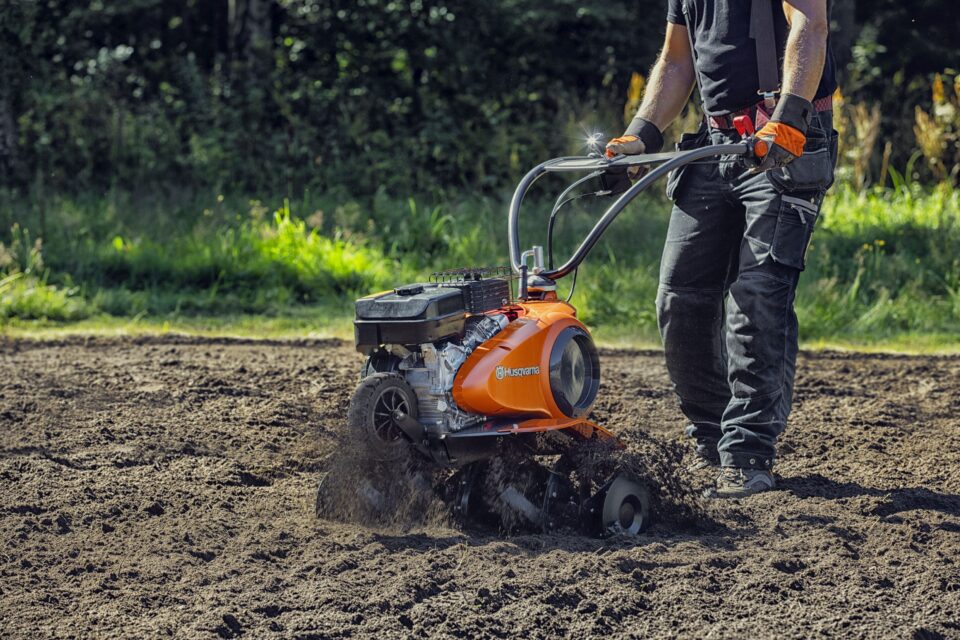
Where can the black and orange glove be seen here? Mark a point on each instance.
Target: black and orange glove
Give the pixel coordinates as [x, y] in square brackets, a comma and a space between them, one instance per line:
[618, 180]
[642, 136]
[781, 140]
[625, 145]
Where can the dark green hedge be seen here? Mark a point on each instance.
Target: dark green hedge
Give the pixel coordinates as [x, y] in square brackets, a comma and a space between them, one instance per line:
[406, 95]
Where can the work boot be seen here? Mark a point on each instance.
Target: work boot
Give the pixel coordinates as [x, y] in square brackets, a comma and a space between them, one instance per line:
[705, 451]
[705, 457]
[734, 482]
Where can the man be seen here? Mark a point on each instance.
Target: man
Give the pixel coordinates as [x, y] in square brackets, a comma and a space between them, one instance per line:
[738, 231]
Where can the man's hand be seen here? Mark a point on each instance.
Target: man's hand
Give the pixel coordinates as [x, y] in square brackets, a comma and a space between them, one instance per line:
[784, 144]
[642, 136]
[628, 146]
[625, 145]
[785, 134]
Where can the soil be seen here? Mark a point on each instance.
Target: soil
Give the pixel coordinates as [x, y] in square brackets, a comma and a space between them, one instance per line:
[165, 487]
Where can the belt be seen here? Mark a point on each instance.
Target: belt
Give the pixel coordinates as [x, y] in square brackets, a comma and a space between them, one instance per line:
[760, 115]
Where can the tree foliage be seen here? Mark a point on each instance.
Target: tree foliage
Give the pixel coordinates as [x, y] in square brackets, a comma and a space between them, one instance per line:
[407, 95]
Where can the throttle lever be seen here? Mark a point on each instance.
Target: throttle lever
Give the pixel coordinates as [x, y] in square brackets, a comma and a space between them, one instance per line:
[744, 126]
[758, 148]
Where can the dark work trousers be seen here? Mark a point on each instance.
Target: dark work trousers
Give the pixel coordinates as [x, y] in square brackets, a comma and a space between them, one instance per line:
[731, 262]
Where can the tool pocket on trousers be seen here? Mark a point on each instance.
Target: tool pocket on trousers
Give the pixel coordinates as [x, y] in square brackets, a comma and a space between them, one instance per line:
[673, 181]
[687, 142]
[795, 223]
[811, 171]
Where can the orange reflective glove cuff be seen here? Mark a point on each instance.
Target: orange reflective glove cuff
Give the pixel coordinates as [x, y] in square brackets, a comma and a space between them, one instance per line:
[782, 135]
[620, 140]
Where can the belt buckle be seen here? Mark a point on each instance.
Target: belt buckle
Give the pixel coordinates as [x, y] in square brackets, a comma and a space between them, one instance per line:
[769, 99]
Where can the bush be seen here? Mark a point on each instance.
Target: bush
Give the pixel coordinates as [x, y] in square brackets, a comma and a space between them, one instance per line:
[24, 292]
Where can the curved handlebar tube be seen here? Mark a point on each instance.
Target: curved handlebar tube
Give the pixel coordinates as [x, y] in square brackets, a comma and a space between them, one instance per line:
[575, 164]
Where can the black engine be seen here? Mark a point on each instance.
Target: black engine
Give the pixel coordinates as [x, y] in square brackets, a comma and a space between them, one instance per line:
[427, 312]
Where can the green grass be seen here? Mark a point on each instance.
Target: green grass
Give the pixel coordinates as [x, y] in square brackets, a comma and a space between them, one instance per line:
[320, 322]
[27, 297]
[304, 321]
[883, 272]
[884, 266]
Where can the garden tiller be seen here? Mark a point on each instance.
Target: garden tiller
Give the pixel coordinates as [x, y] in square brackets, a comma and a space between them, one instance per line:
[463, 373]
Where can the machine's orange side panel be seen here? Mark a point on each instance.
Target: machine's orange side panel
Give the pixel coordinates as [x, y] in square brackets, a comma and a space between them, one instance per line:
[509, 375]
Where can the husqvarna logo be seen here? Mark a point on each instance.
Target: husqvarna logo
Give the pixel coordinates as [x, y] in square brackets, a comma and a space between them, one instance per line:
[519, 372]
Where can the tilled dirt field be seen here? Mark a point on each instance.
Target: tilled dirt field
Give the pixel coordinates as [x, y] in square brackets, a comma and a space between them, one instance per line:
[165, 487]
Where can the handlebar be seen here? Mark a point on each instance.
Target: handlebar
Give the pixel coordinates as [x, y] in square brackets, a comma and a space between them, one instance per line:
[572, 164]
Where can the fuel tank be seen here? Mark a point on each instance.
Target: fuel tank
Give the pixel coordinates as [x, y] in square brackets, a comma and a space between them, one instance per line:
[543, 364]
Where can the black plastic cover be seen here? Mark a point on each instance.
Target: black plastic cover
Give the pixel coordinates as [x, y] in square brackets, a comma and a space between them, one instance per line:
[411, 302]
[409, 315]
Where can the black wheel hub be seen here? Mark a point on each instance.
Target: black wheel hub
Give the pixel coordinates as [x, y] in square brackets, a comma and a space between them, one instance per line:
[389, 403]
[380, 408]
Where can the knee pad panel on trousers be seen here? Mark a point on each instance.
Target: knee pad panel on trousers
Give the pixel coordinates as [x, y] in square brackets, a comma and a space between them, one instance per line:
[691, 327]
[759, 318]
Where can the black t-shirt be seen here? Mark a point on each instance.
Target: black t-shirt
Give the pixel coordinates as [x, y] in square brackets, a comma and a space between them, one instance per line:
[726, 56]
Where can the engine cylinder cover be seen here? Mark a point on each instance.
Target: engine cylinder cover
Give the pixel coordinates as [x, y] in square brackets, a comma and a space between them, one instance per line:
[432, 372]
